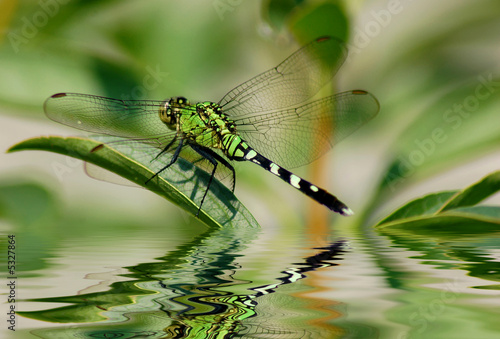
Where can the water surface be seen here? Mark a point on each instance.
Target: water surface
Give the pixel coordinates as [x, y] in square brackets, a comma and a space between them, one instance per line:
[273, 282]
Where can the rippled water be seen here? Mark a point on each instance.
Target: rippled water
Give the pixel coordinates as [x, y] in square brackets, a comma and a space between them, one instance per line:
[274, 282]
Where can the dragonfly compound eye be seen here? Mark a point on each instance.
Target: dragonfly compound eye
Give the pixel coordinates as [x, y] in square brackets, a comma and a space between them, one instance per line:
[167, 115]
[180, 101]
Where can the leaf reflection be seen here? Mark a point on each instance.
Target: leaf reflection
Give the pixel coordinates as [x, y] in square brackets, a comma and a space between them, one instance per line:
[185, 294]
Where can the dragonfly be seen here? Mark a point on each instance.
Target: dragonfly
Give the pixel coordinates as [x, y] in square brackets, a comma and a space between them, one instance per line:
[273, 120]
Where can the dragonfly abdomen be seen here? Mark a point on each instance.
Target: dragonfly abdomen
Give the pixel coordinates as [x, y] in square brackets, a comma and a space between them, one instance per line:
[313, 191]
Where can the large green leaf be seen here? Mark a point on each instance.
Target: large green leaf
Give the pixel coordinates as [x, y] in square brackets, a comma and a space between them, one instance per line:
[183, 183]
[307, 20]
[319, 19]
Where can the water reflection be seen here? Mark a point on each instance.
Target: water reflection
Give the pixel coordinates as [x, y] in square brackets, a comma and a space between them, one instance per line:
[189, 293]
[393, 283]
[472, 255]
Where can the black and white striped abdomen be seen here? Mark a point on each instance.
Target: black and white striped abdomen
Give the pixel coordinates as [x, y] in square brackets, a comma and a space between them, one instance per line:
[313, 191]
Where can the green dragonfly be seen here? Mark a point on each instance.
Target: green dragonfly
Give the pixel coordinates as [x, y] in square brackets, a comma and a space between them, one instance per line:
[271, 116]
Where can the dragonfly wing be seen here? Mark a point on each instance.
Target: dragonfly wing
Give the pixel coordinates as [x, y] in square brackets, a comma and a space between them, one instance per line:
[299, 135]
[122, 118]
[294, 81]
[146, 152]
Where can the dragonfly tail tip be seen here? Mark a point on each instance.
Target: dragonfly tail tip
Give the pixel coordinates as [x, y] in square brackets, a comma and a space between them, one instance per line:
[347, 212]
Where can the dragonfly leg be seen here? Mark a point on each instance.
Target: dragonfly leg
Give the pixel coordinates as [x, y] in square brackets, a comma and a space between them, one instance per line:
[214, 159]
[172, 161]
[224, 162]
[165, 149]
[230, 167]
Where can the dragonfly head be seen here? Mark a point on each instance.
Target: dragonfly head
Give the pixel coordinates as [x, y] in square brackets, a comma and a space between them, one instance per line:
[170, 110]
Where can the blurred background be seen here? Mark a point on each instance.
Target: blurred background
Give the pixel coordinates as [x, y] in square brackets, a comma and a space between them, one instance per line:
[420, 63]
[433, 66]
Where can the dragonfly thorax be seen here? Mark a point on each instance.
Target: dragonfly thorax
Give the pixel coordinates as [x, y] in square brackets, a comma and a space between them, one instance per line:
[204, 123]
[211, 114]
[209, 126]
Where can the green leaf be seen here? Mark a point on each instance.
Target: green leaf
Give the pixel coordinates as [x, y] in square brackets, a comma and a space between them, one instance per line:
[474, 194]
[319, 20]
[183, 183]
[307, 20]
[276, 12]
[456, 225]
[424, 206]
[453, 212]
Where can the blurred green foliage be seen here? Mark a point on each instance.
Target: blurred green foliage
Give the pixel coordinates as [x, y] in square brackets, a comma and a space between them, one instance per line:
[439, 111]
[307, 20]
[446, 92]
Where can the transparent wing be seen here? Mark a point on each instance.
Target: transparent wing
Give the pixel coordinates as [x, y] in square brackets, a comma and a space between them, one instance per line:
[136, 124]
[299, 135]
[292, 82]
[136, 119]
[147, 155]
